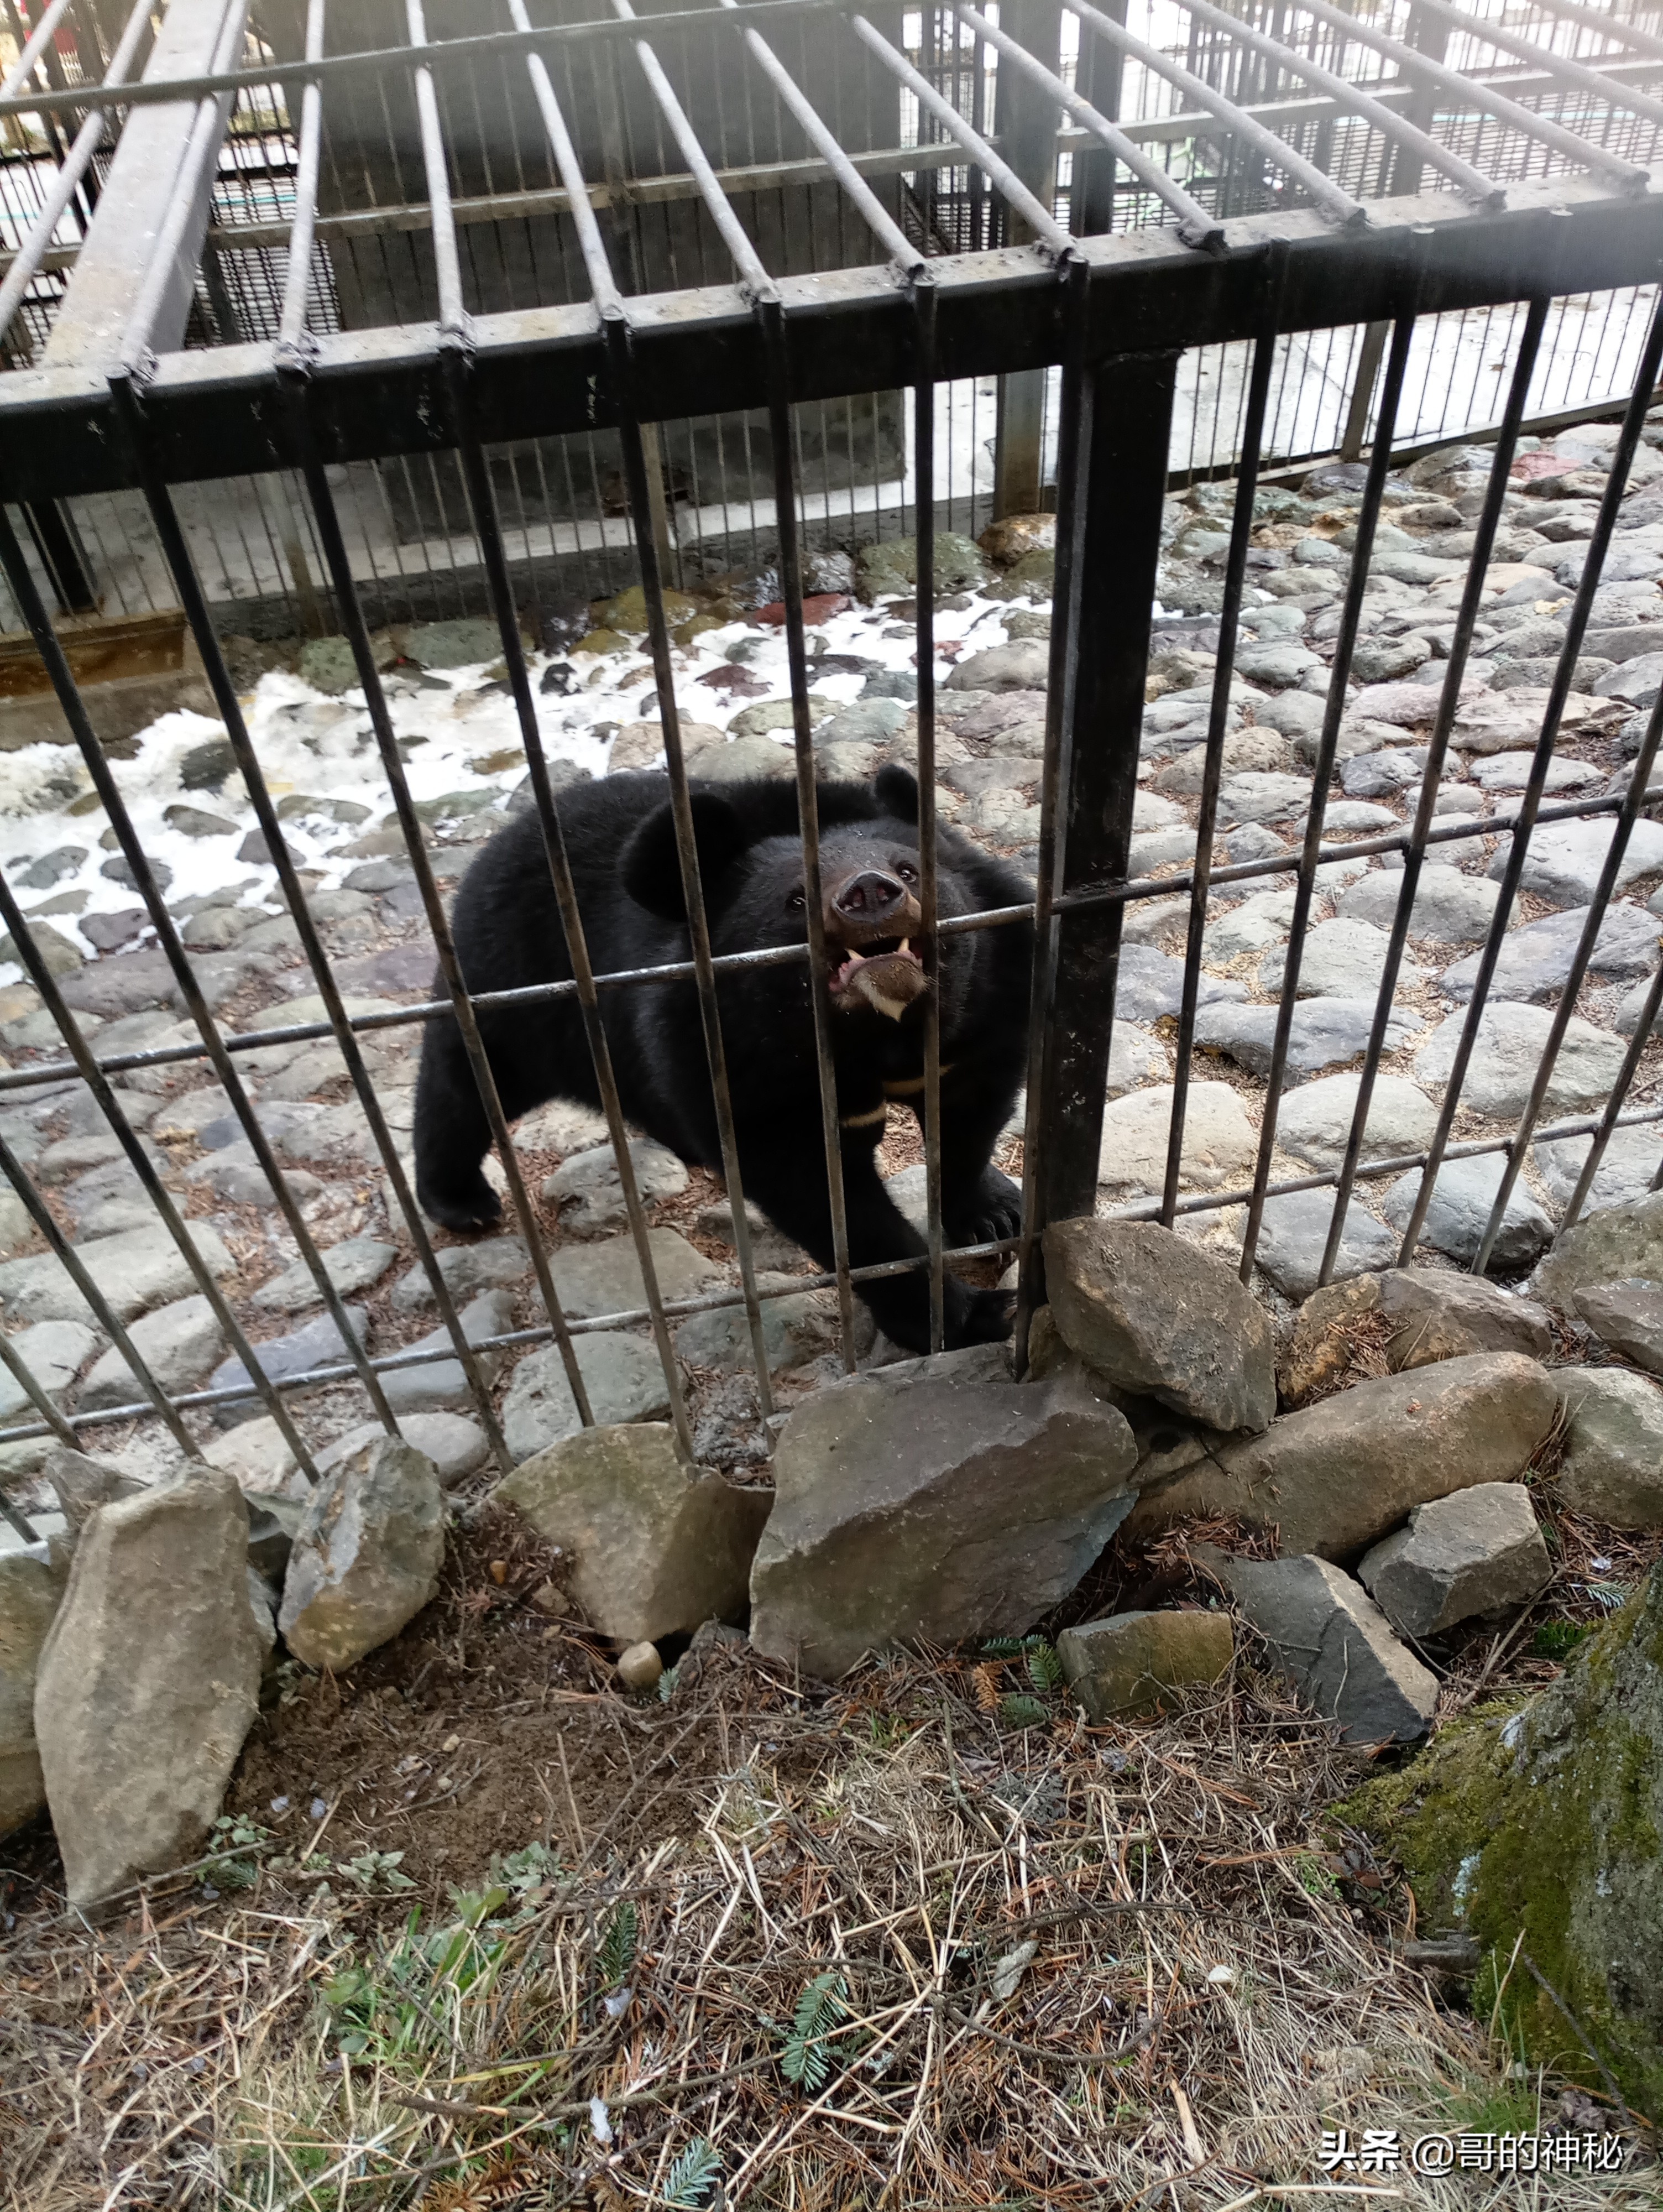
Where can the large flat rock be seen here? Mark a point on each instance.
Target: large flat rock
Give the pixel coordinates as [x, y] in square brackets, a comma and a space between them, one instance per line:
[1156, 1316]
[933, 1510]
[1430, 1315]
[149, 1682]
[1329, 1639]
[1336, 1476]
[137, 1270]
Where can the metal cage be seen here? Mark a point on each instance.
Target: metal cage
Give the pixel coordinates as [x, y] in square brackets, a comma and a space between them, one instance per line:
[298, 266]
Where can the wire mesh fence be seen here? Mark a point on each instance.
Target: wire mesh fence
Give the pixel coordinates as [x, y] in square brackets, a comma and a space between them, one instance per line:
[978, 895]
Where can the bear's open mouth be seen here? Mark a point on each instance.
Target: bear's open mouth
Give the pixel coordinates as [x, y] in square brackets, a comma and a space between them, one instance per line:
[885, 973]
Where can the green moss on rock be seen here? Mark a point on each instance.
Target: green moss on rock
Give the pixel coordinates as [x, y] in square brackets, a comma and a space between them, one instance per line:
[1540, 1827]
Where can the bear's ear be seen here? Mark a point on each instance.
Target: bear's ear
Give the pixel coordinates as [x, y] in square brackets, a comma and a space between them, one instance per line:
[896, 789]
[651, 867]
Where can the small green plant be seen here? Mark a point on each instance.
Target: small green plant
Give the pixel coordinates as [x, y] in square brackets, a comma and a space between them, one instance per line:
[617, 1955]
[1002, 1647]
[1316, 1880]
[376, 1873]
[1044, 1669]
[526, 1869]
[667, 1682]
[1019, 1711]
[1557, 1639]
[691, 2178]
[807, 2057]
[234, 1844]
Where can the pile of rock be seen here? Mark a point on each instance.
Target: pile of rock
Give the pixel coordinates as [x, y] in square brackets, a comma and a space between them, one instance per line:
[132, 1646]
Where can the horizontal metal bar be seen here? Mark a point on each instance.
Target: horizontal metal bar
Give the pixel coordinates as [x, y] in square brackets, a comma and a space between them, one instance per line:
[381, 60]
[681, 1309]
[521, 1339]
[1563, 70]
[540, 372]
[1449, 829]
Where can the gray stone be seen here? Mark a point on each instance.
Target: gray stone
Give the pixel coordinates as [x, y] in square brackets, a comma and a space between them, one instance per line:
[933, 1510]
[1278, 663]
[319, 1344]
[366, 1556]
[605, 1277]
[1625, 1173]
[1535, 957]
[866, 721]
[1296, 714]
[655, 1547]
[589, 1191]
[457, 1446]
[1634, 681]
[149, 1682]
[1507, 1054]
[796, 1329]
[1354, 817]
[1314, 1121]
[1339, 960]
[1135, 1057]
[1627, 1315]
[1511, 772]
[1334, 1644]
[194, 821]
[1619, 1243]
[768, 1248]
[1294, 1235]
[81, 1484]
[493, 1263]
[1024, 666]
[1262, 796]
[178, 1344]
[1336, 1477]
[351, 1267]
[256, 1454]
[1430, 1315]
[135, 1271]
[1154, 1314]
[1565, 859]
[31, 1590]
[1449, 908]
[1611, 1467]
[442, 1385]
[460, 643]
[1132, 1662]
[1380, 774]
[1458, 1212]
[624, 1377]
[59, 954]
[54, 1352]
[1324, 1033]
[1479, 1551]
[1384, 660]
[235, 1174]
[1219, 1145]
[1259, 922]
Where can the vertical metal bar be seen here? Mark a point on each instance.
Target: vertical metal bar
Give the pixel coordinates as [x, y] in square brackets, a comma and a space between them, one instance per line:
[1380, 462]
[791, 577]
[1602, 1135]
[1124, 465]
[297, 277]
[34, 615]
[1633, 799]
[56, 542]
[1355, 436]
[924, 447]
[1258, 386]
[1073, 464]
[1437, 748]
[1028, 132]
[1576, 624]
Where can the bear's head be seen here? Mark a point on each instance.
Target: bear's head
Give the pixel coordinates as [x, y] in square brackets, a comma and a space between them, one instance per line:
[754, 894]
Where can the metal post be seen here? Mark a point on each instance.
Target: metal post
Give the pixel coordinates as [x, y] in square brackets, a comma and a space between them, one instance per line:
[1122, 481]
[1370, 354]
[1027, 128]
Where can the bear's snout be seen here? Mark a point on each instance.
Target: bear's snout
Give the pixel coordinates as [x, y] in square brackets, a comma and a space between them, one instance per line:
[870, 899]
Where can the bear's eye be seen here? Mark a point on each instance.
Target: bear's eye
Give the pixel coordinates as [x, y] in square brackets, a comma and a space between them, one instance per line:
[908, 873]
[797, 902]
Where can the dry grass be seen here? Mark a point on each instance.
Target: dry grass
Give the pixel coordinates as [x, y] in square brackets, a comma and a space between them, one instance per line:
[895, 1950]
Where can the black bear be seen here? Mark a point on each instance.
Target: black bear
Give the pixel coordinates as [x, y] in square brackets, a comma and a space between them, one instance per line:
[620, 836]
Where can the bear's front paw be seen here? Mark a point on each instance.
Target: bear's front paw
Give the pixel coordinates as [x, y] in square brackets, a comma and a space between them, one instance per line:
[470, 1208]
[978, 1317]
[985, 1215]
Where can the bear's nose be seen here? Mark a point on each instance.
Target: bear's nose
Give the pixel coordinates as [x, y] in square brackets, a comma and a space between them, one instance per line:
[868, 897]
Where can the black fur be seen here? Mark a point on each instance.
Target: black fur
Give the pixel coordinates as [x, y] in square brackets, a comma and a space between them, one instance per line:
[620, 838]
